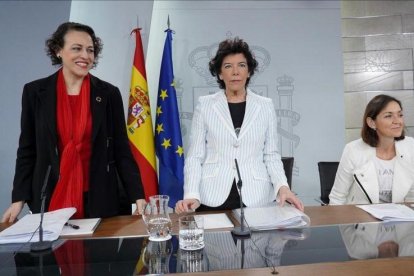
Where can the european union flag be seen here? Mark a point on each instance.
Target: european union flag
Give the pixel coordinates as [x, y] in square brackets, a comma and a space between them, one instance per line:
[168, 141]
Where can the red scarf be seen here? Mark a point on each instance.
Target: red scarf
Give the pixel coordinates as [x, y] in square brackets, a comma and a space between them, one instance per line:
[69, 188]
[71, 258]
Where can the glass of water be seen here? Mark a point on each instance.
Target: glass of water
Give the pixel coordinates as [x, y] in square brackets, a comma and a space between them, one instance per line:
[191, 232]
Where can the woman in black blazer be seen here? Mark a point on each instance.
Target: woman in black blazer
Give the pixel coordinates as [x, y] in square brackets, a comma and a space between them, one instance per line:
[75, 123]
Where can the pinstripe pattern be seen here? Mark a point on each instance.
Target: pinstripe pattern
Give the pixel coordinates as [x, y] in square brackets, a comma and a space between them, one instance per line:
[223, 252]
[209, 166]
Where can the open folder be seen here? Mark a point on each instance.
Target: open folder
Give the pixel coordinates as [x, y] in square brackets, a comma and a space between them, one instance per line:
[273, 217]
[27, 228]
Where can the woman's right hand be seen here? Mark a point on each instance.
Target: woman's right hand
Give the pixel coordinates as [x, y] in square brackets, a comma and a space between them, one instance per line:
[186, 205]
[12, 212]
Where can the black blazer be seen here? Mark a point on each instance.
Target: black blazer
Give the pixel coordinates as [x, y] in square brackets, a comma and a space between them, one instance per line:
[113, 171]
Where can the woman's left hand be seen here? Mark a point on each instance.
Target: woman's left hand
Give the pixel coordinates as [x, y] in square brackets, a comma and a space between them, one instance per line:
[285, 194]
[140, 206]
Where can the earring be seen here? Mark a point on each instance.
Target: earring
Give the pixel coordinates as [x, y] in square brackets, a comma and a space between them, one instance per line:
[58, 56]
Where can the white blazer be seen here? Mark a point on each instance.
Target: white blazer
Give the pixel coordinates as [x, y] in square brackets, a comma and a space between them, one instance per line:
[210, 167]
[358, 159]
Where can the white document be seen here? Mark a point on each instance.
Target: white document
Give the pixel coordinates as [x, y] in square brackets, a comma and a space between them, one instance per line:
[27, 228]
[273, 217]
[86, 227]
[215, 221]
[389, 211]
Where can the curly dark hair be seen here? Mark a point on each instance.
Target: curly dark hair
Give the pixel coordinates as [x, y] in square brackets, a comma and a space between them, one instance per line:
[230, 47]
[374, 107]
[56, 41]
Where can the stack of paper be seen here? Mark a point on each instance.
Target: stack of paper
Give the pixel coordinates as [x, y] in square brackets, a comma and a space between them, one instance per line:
[389, 211]
[27, 228]
[273, 217]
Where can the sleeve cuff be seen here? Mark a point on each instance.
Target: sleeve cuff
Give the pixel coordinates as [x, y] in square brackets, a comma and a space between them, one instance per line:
[192, 195]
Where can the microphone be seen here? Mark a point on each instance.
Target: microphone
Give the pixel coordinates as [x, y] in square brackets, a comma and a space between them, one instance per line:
[240, 231]
[42, 245]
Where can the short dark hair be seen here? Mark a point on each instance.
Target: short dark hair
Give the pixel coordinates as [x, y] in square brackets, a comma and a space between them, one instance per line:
[374, 107]
[230, 47]
[56, 41]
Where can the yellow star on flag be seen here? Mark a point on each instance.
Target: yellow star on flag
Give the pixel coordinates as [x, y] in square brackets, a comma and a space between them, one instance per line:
[159, 111]
[166, 143]
[173, 83]
[180, 151]
[159, 128]
[163, 94]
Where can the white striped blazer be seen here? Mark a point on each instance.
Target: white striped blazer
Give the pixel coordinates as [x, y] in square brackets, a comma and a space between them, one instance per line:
[209, 166]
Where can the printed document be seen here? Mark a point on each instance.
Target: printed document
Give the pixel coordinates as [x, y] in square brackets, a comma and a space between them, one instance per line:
[215, 221]
[273, 217]
[27, 228]
[389, 211]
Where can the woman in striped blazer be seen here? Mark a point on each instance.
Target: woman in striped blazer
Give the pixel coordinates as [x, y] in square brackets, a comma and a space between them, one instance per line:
[234, 124]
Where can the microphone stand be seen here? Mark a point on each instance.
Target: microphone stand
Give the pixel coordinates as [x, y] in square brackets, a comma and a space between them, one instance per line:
[42, 245]
[240, 231]
[242, 253]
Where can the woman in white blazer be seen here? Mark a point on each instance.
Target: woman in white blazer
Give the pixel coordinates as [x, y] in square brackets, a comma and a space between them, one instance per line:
[233, 123]
[379, 167]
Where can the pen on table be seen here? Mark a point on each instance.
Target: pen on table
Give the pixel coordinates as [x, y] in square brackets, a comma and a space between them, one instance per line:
[74, 226]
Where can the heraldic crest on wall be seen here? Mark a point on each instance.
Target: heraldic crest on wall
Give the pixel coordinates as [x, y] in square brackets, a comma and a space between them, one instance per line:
[287, 118]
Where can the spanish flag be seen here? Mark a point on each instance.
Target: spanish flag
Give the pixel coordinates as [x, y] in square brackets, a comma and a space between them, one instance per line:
[139, 124]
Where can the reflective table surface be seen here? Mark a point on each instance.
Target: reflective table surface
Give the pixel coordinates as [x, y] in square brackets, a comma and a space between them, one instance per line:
[222, 251]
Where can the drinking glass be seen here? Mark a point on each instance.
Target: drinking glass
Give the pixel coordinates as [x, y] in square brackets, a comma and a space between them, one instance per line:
[191, 232]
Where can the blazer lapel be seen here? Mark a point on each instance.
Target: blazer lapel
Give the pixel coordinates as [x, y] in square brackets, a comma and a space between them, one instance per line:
[252, 110]
[47, 98]
[98, 105]
[222, 110]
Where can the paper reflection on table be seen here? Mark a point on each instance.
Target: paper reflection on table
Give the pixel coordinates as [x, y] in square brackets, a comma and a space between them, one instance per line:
[378, 240]
[263, 249]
